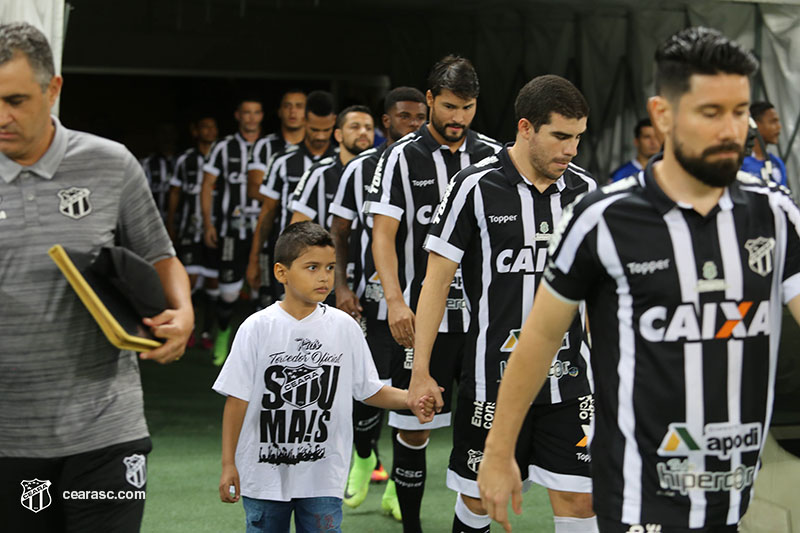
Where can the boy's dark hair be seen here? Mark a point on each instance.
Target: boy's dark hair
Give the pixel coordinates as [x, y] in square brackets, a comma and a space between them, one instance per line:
[644, 123]
[456, 74]
[698, 50]
[296, 238]
[403, 94]
[340, 118]
[320, 103]
[759, 108]
[548, 94]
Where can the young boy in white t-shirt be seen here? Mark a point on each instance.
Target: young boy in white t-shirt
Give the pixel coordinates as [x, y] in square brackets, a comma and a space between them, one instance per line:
[291, 376]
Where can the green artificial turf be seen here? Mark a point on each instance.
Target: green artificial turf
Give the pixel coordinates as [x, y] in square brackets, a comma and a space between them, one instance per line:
[185, 420]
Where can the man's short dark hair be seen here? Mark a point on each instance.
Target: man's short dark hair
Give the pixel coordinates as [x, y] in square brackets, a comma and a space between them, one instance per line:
[248, 98]
[456, 74]
[698, 50]
[292, 90]
[644, 123]
[403, 94]
[296, 238]
[320, 103]
[759, 108]
[25, 39]
[548, 94]
[342, 116]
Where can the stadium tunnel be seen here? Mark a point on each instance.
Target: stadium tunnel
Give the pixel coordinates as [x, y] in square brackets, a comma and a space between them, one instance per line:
[130, 65]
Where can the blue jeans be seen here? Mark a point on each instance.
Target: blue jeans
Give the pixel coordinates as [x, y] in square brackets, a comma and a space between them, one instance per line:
[311, 515]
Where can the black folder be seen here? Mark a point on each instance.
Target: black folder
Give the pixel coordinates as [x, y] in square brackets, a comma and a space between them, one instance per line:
[118, 288]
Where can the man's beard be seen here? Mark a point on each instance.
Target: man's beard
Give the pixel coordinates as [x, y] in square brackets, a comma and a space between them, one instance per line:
[714, 174]
[354, 148]
[442, 130]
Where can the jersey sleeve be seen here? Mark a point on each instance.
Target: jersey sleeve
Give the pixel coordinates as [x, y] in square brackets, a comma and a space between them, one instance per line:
[261, 155]
[791, 269]
[386, 195]
[344, 201]
[304, 197]
[365, 377]
[237, 375]
[214, 164]
[454, 222]
[139, 225]
[177, 175]
[273, 180]
[572, 265]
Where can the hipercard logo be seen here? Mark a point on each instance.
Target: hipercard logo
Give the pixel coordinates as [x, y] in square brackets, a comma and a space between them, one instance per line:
[718, 439]
[686, 323]
[678, 475]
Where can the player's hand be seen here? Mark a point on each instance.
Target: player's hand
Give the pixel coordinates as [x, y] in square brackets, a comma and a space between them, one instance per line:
[347, 301]
[425, 407]
[230, 477]
[499, 479]
[173, 325]
[424, 386]
[210, 236]
[253, 274]
[401, 323]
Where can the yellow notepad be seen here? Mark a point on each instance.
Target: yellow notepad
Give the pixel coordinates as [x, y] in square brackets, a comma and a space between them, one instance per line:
[111, 327]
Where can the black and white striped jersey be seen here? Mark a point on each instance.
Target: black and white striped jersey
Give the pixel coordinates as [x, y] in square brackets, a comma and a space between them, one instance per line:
[158, 169]
[264, 149]
[685, 314]
[411, 179]
[285, 170]
[237, 215]
[348, 203]
[497, 225]
[316, 189]
[189, 178]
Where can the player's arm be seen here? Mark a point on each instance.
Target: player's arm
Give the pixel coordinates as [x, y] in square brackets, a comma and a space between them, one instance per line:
[173, 200]
[232, 419]
[297, 216]
[263, 228]
[346, 300]
[176, 323]
[255, 177]
[430, 310]
[206, 201]
[540, 339]
[389, 397]
[401, 318]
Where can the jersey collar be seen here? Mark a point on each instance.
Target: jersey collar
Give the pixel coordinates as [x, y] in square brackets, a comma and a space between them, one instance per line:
[663, 203]
[514, 177]
[47, 165]
[432, 144]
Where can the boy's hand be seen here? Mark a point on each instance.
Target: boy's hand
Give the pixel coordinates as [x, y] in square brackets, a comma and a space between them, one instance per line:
[427, 408]
[230, 477]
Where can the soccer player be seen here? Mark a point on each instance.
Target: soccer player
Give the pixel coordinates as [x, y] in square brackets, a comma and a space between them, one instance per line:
[159, 166]
[405, 110]
[647, 145]
[236, 214]
[683, 269]
[496, 222]
[290, 380]
[354, 131]
[292, 115]
[201, 262]
[285, 170]
[407, 186]
[761, 163]
[71, 412]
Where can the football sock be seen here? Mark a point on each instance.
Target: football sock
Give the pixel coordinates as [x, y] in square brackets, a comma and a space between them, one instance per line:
[465, 521]
[567, 524]
[366, 427]
[408, 472]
